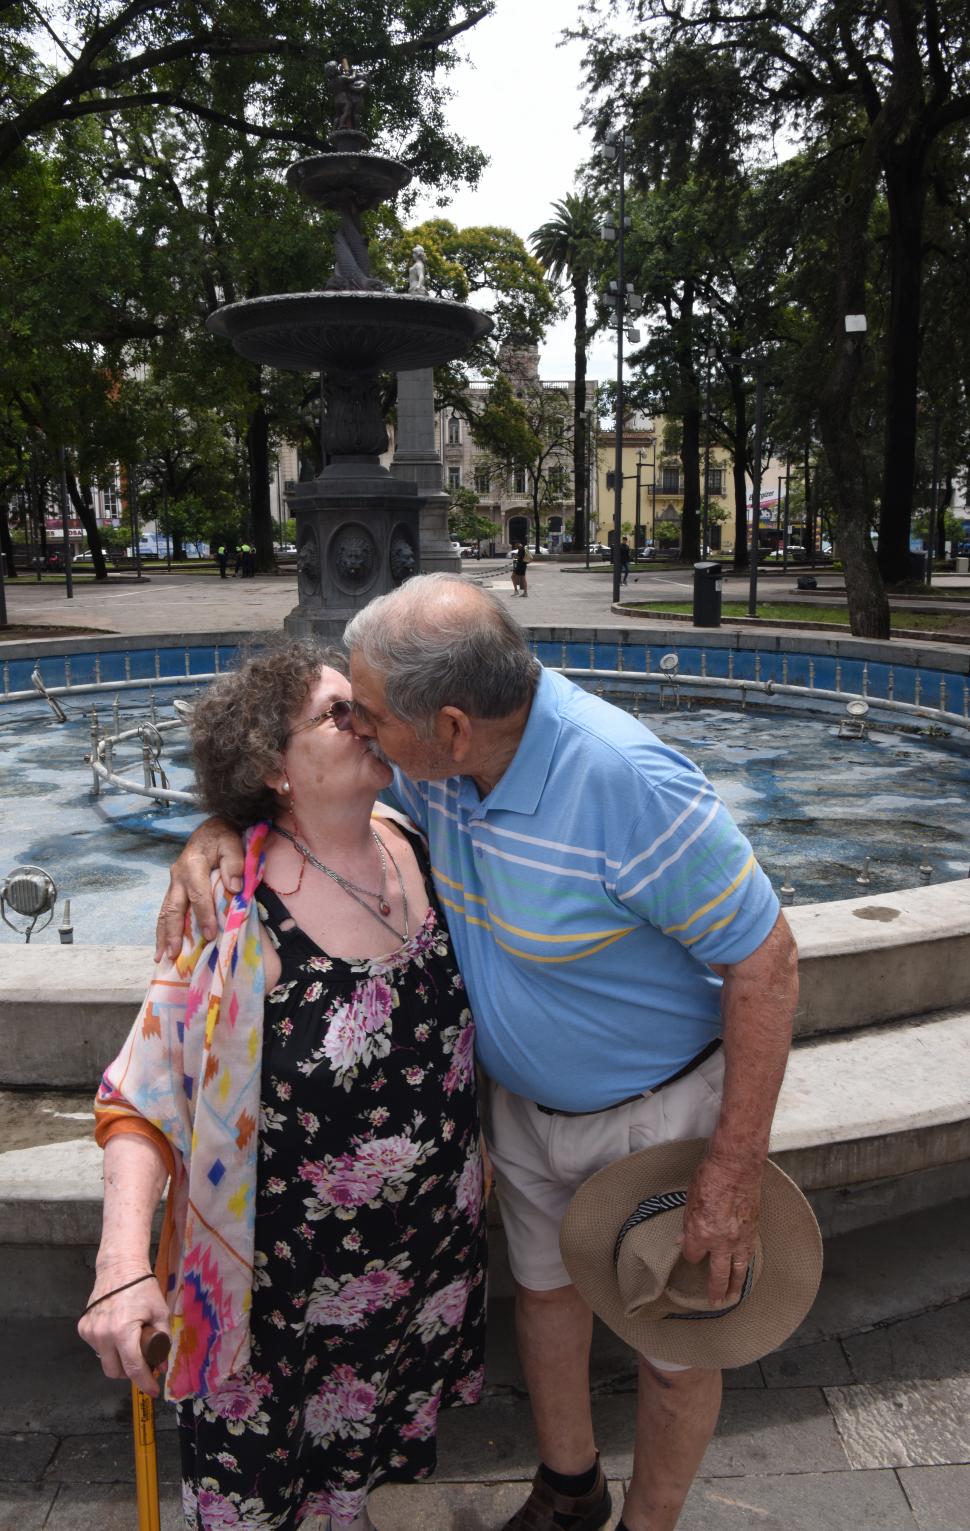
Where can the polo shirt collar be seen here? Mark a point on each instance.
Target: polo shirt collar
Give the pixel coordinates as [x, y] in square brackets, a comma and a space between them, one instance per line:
[520, 788]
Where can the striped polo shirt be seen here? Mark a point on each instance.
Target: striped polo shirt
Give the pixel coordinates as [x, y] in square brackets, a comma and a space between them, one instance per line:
[586, 895]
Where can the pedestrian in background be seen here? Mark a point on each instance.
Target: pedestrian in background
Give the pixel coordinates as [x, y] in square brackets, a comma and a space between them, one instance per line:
[222, 555]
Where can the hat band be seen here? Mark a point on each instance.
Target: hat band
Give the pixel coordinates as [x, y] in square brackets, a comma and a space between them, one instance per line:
[669, 1201]
[720, 1312]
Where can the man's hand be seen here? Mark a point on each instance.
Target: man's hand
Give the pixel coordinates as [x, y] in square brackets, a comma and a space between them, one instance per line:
[721, 1220]
[213, 844]
[724, 1198]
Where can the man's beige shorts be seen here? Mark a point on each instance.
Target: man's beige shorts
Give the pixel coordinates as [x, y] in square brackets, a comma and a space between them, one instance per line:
[541, 1161]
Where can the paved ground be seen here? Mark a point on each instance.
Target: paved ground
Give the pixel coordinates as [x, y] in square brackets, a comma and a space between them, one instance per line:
[178, 603]
[861, 1424]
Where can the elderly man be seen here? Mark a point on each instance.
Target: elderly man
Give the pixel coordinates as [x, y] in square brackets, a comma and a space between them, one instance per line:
[632, 980]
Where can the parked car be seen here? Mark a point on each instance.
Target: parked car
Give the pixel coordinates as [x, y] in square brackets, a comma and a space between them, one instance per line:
[456, 548]
[795, 555]
[289, 548]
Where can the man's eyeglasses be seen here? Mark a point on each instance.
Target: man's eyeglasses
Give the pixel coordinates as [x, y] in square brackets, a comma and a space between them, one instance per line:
[339, 713]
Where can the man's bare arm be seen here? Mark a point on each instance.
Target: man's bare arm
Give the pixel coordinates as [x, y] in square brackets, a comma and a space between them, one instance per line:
[214, 844]
[724, 1202]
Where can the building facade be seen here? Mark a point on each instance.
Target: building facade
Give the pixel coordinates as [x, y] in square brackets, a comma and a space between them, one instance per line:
[653, 489]
[507, 499]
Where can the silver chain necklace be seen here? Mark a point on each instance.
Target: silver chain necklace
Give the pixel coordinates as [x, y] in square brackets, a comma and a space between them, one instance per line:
[353, 889]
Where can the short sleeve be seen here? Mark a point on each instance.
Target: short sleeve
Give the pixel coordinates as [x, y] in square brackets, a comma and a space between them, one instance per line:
[689, 871]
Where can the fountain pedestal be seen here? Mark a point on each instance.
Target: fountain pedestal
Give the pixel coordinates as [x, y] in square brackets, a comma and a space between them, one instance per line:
[358, 536]
[357, 524]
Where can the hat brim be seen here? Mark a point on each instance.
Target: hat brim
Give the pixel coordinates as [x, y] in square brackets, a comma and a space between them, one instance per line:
[778, 1301]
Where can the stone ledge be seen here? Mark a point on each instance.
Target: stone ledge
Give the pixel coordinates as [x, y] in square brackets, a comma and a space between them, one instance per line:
[65, 1010]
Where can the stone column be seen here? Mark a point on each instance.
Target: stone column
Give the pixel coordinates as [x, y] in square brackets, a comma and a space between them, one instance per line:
[417, 462]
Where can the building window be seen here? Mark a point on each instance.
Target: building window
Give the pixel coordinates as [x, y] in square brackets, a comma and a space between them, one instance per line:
[454, 431]
[670, 480]
[558, 481]
[483, 481]
[454, 476]
[111, 502]
[715, 480]
[518, 485]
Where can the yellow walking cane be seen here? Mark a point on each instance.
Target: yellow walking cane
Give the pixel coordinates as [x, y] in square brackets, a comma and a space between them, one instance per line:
[155, 1346]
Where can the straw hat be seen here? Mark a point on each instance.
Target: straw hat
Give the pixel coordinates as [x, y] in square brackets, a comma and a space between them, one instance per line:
[618, 1242]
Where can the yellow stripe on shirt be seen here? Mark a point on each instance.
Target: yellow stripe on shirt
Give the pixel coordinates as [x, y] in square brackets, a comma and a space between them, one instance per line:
[745, 871]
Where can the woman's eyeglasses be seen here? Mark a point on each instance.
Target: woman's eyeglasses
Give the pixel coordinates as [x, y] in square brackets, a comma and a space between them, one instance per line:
[339, 713]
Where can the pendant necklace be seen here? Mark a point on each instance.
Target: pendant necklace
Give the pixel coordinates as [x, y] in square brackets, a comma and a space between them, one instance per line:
[353, 889]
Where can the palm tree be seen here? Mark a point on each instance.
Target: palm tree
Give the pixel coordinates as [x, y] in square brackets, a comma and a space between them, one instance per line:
[568, 246]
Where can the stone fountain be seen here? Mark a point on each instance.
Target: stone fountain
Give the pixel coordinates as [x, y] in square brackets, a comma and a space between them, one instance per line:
[357, 525]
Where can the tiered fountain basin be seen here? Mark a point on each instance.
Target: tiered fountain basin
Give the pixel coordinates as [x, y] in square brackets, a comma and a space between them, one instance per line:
[350, 332]
[874, 1117]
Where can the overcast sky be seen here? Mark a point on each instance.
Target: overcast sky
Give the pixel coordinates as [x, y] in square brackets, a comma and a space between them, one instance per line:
[518, 98]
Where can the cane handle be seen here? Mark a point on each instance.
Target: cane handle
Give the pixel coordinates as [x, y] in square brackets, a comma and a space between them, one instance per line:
[155, 1345]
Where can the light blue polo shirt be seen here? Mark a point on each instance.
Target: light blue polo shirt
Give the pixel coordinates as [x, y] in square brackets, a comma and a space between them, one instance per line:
[586, 895]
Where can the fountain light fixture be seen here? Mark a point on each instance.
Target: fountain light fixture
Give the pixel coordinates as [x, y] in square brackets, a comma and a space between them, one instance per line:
[30, 893]
[854, 725]
[670, 664]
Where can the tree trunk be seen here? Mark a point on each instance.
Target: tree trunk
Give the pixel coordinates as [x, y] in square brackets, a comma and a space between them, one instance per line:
[903, 167]
[580, 474]
[81, 498]
[257, 451]
[868, 606]
[6, 542]
[690, 536]
[739, 451]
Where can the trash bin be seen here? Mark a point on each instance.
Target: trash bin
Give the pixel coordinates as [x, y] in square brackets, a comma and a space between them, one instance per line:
[707, 595]
[963, 565]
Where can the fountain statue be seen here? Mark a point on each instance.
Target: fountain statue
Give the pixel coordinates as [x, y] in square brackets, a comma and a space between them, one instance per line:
[357, 524]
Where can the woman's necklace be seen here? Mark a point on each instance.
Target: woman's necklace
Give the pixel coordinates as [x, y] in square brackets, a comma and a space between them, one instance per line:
[353, 889]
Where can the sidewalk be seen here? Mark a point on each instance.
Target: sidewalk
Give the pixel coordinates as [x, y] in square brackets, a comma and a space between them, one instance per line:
[559, 595]
[861, 1424]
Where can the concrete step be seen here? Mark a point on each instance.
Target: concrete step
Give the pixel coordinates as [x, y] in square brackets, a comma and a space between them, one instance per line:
[872, 1124]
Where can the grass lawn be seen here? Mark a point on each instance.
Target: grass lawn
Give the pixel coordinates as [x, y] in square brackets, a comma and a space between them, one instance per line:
[804, 611]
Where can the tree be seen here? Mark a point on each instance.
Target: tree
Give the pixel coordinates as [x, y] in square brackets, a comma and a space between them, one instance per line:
[882, 87]
[524, 428]
[570, 248]
[120, 57]
[465, 522]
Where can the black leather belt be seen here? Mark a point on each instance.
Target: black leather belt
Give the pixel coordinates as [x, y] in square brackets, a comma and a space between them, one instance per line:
[688, 1068]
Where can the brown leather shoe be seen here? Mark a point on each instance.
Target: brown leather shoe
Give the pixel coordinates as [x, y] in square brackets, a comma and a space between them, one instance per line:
[586, 1513]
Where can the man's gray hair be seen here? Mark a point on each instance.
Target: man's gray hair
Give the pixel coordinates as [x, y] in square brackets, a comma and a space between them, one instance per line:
[439, 642]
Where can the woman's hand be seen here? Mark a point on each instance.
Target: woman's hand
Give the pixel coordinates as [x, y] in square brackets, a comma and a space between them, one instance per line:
[213, 844]
[114, 1327]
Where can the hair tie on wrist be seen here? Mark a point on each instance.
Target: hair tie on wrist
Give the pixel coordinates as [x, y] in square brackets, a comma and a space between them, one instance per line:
[115, 1290]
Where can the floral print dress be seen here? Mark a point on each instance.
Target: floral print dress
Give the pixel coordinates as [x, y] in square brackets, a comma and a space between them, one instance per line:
[369, 1296]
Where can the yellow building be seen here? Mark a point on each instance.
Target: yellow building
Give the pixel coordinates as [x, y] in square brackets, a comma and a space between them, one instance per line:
[653, 488]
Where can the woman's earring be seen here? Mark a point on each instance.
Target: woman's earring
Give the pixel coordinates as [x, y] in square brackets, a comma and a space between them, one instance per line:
[285, 788]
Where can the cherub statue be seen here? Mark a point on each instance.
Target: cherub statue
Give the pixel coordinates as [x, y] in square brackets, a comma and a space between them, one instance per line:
[350, 82]
[418, 273]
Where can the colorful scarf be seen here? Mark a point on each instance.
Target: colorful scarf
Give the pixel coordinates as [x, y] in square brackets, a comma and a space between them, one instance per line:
[190, 1068]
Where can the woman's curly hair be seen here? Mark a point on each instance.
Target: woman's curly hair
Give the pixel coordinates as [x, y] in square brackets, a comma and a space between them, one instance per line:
[240, 723]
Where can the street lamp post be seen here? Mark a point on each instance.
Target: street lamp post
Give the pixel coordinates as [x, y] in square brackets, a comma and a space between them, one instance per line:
[636, 534]
[759, 412]
[65, 529]
[619, 297]
[705, 531]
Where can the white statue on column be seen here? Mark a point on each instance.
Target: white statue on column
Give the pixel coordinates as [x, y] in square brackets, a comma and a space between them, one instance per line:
[418, 273]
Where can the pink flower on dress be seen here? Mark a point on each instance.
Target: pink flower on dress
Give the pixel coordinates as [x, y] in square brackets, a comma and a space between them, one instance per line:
[459, 1041]
[321, 1415]
[239, 1397]
[444, 1309]
[343, 1182]
[358, 1400]
[216, 1512]
[468, 1196]
[469, 1388]
[424, 1407]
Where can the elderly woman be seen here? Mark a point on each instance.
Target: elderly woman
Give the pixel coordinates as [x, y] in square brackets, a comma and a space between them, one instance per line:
[305, 1084]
